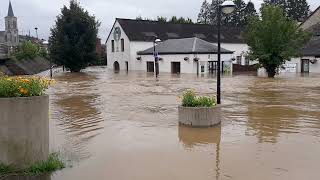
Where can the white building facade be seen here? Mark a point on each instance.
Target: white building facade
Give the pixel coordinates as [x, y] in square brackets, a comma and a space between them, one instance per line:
[127, 37]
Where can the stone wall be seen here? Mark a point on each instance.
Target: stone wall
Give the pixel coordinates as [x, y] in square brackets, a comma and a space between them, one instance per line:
[25, 66]
[24, 130]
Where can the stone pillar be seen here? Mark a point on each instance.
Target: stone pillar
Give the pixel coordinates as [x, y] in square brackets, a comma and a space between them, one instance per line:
[24, 130]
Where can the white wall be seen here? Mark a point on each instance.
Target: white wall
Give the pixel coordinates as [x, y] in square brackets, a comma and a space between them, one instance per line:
[189, 66]
[313, 68]
[119, 56]
[240, 49]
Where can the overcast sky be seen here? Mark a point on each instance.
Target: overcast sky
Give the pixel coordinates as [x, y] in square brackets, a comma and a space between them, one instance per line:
[42, 13]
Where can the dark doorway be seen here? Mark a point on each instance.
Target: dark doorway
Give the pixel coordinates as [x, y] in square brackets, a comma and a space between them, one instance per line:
[213, 67]
[150, 66]
[127, 66]
[305, 65]
[116, 66]
[175, 68]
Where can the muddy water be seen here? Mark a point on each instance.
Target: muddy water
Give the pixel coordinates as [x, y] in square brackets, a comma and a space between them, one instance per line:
[124, 127]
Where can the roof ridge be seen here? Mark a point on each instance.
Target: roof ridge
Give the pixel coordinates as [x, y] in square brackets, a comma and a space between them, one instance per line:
[194, 44]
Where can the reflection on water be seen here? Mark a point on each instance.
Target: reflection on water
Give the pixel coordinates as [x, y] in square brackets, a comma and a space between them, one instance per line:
[77, 113]
[125, 126]
[193, 137]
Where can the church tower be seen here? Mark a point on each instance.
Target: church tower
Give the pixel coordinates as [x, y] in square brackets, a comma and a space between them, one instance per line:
[11, 29]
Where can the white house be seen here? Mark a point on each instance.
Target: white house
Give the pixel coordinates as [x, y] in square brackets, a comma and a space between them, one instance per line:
[310, 60]
[188, 55]
[128, 37]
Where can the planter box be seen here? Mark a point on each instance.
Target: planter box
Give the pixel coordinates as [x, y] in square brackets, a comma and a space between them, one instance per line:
[24, 130]
[199, 116]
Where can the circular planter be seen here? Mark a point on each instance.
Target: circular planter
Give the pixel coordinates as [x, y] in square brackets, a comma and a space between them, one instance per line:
[24, 130]
[199, 116]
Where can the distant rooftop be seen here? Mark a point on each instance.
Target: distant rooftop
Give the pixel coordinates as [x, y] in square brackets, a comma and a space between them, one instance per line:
[145, 30]
[185, 46]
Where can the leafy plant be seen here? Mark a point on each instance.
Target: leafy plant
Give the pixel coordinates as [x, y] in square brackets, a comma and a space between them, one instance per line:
[274, 39]
[23, 86]
[191, 100]
[53, 163]
[27, 50]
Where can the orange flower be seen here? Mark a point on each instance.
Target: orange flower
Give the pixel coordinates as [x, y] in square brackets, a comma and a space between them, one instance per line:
[23, 90]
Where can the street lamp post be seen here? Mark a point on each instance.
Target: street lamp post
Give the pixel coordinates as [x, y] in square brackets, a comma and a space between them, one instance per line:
[226, 7]
[36, 32]
[155, 54]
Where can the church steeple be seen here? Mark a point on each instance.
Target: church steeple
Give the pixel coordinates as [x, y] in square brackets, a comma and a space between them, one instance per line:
[10, 10]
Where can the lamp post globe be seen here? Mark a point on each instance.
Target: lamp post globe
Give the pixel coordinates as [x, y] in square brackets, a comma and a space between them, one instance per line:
[228, 7]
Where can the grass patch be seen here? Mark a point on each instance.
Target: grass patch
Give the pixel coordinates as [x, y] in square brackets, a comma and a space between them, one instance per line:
[53, 163]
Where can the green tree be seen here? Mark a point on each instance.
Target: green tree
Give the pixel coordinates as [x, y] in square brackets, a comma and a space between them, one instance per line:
[161, 19]
[214, 11]
[280, 3]
[298, 9]
[174, 19]
[237, 18]
[249, 11]
[73, 38]
[204, 14]
[273, 39]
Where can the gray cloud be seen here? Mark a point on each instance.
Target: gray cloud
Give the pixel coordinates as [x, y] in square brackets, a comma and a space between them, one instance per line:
[42, 13]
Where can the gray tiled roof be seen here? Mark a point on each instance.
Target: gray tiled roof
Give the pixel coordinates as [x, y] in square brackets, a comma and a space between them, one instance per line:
[185, 46]
[145, 30]
[312, 48]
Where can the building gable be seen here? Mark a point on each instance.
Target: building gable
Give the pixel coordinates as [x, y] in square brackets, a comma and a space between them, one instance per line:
[312, 20]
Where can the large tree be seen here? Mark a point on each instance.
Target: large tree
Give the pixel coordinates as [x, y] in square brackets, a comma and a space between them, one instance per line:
[298, 9]
[237, 18]
[204, 15]
[273, 38]
[214, 11]
[249, 11]
[73, 38]
[280, 3]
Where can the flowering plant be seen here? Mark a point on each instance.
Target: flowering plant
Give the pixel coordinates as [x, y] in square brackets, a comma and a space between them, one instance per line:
[23, 86]
[190, 99]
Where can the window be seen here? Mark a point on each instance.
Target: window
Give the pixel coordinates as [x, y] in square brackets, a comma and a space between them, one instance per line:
[122, 45]
[239, 60]
[247, 61]
[112, 45]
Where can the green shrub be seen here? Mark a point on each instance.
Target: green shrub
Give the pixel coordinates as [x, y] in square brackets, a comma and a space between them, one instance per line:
[191, 100]
[27, 50]
[52, 164]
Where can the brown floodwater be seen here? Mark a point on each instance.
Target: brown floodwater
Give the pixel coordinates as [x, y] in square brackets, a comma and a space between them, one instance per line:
[125, 127]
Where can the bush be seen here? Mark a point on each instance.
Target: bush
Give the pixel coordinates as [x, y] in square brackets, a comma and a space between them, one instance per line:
[27, 50]
[191, 100]
[23, 86]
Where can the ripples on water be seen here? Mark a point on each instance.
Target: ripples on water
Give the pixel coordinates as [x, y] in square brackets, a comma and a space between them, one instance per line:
[124, 126]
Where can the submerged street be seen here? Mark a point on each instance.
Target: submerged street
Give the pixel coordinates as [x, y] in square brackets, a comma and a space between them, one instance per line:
[125, 126]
